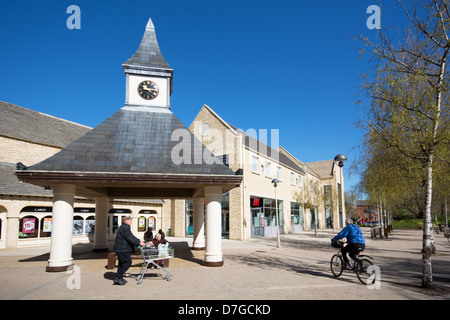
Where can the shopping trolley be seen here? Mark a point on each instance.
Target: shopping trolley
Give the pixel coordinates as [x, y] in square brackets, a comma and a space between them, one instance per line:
[150, 255]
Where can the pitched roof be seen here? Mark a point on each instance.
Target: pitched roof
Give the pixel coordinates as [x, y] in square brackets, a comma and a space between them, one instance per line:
[28, 125]
[257, 145]
[10, 185]
[148, 55]
[133, 141]
[322, 168]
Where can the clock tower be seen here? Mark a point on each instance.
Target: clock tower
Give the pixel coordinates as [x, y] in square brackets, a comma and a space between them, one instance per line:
[148, 75]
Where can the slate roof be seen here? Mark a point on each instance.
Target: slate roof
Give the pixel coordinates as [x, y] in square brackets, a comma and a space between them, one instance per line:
[133, 141]
[28, 125]
[10, 185]
[148, 54]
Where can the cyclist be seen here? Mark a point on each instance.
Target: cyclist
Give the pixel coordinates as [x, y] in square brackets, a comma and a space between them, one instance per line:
[355, 240]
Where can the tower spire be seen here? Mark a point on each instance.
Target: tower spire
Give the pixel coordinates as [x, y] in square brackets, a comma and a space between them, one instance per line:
[148, 56]
[149, 77]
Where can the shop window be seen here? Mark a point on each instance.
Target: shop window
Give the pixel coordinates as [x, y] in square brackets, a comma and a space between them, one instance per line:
[296, 213]
[78, 226]
[46, 227]
[114, 223]
[28, 227]
[89, 225]
[142, 224]
[152, 222]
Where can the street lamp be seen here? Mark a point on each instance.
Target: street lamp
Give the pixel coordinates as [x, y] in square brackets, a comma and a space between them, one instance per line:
[340, 158]
[275, 183]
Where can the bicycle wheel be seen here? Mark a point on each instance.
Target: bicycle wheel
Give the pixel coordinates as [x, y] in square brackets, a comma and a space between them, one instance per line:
[336, 265]
[362, 271]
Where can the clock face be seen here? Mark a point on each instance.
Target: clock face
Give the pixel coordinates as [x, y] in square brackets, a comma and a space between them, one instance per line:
[148, 90]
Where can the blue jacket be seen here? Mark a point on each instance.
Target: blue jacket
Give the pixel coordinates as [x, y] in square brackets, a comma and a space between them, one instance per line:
[352, 233]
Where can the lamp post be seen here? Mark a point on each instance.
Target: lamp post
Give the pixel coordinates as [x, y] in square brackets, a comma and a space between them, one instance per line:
[275, 183]
[340, 158]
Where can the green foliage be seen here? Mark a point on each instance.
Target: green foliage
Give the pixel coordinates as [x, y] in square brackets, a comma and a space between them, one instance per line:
[408, 224]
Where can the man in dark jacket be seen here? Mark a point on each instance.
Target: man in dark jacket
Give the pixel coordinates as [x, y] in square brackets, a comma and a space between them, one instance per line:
[355, 240]
[123, 247]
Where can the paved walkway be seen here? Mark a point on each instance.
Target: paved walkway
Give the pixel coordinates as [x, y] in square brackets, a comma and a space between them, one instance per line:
[253, 270]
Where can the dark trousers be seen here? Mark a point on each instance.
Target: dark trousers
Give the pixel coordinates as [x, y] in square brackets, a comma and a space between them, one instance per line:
[124, 263]
[352, 249]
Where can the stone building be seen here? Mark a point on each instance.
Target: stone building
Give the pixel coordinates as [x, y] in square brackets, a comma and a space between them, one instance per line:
[309, 195]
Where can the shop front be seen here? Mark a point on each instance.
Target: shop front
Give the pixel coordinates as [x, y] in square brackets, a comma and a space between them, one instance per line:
[146, 218]
[35, 225]
[263, 216]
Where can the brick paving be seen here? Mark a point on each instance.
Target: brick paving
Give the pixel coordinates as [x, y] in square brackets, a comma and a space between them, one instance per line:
[253, 270]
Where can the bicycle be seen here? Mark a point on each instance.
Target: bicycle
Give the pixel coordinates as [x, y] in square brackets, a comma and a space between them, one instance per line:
[360, 266]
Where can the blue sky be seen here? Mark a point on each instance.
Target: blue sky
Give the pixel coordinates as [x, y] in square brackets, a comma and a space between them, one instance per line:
[289, 65]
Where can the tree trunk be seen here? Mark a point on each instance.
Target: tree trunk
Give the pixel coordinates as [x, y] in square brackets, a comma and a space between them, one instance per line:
[427, 243]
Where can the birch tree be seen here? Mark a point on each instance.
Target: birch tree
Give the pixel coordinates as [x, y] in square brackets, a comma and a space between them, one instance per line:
[407, 94]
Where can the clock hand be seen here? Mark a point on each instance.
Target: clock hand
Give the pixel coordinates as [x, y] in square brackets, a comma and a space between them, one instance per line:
[148, 89]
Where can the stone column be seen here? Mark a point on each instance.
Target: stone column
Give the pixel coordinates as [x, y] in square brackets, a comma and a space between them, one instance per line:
[213, 243]
[199, 224]
[62, 226]
[101, 224]
[12, 225]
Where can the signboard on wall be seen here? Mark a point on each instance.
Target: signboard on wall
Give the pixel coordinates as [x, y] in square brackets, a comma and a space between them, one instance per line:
[151, 222]
[47, 225]
[141, 222]
[28, 225]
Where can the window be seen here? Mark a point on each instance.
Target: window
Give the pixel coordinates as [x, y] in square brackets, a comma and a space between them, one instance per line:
[268, 168]
[300, 181]
[296, 213]
[28, 227]
[224, 159]
[278, 173]
[255, 164]
[292, 178]
[142, 224]
[89, 225]
[46, 227]
[78, 226]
